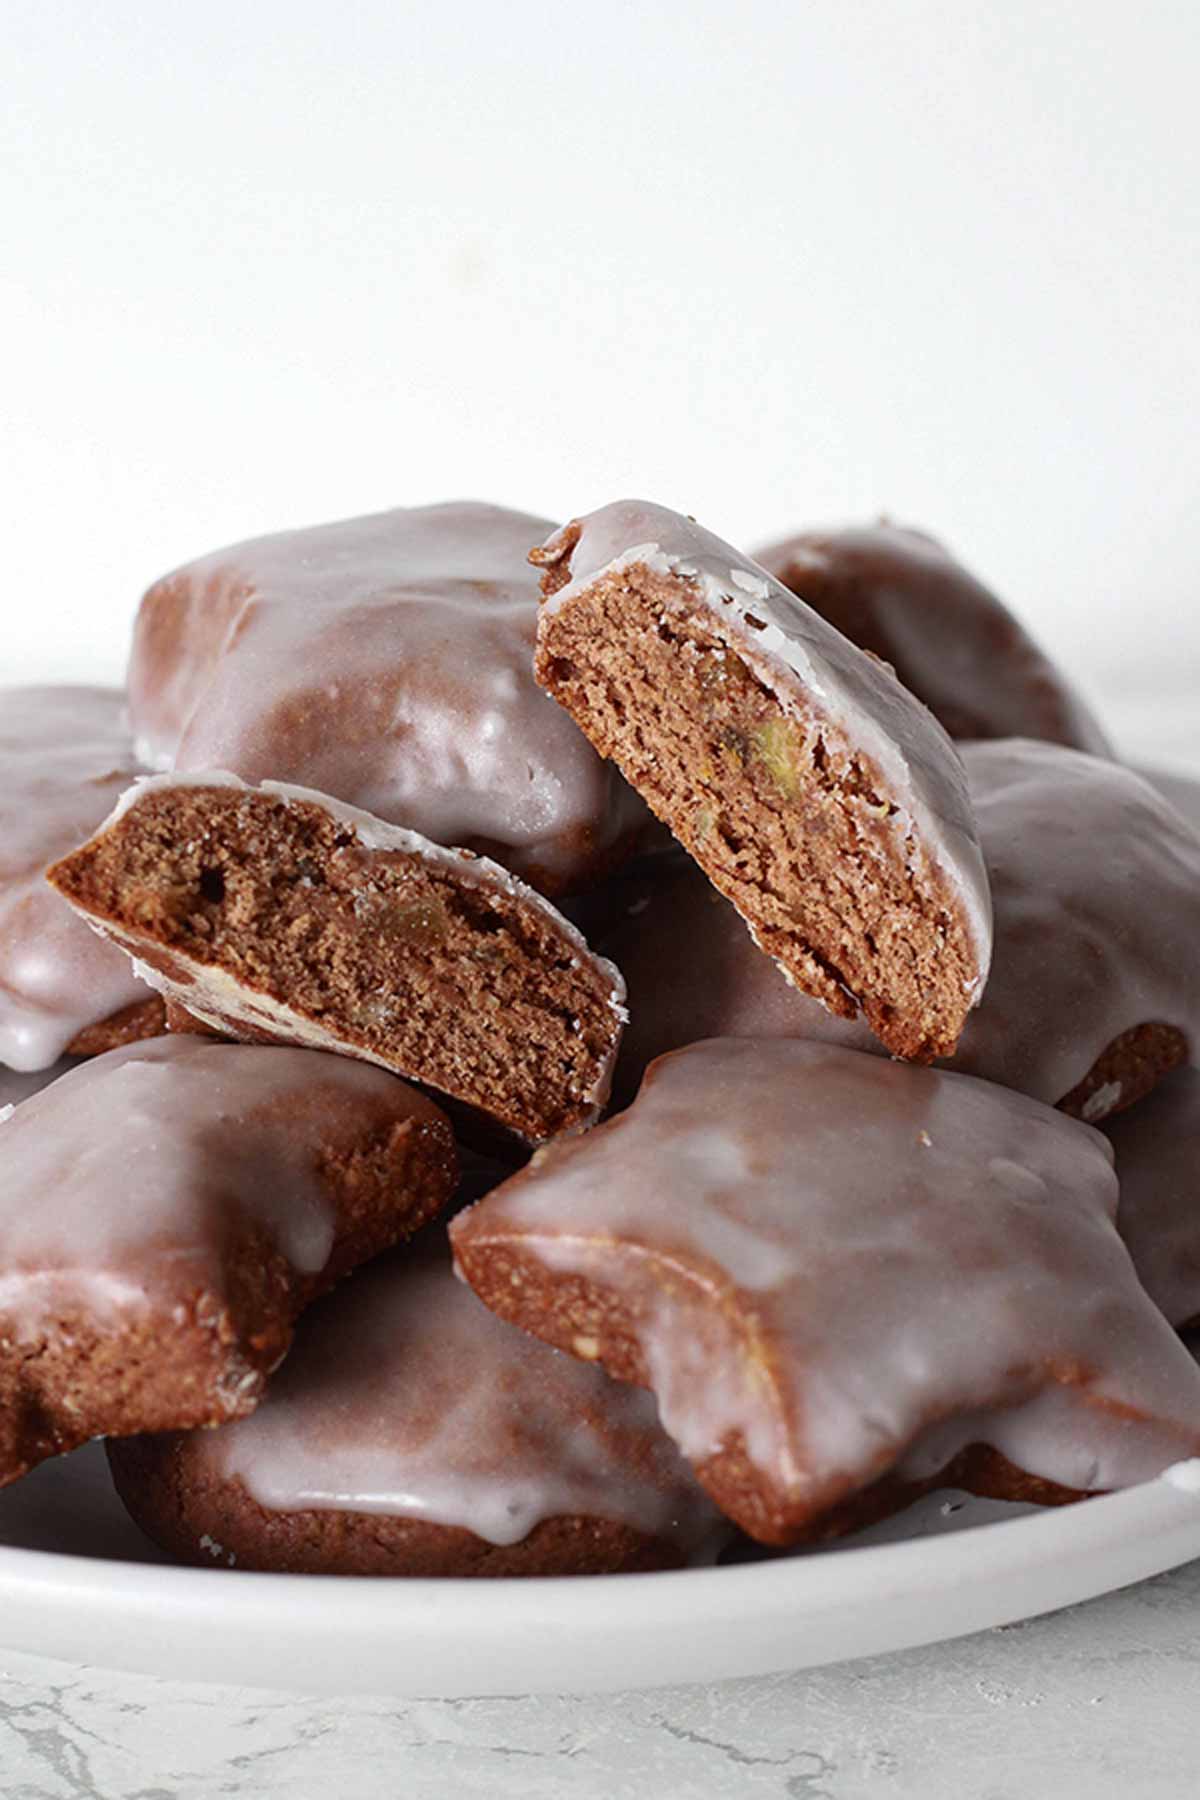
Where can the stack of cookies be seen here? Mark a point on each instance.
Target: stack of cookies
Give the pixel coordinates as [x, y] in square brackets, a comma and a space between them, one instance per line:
[541, 1050]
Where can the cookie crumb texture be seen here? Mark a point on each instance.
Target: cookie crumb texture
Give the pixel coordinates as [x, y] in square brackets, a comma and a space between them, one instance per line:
[785, 816]
[269, 916]
[166, 1212]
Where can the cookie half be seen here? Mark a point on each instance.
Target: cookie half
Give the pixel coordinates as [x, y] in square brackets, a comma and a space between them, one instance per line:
[824, 801]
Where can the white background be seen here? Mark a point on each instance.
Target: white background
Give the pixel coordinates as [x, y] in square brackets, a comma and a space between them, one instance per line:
[774, 264]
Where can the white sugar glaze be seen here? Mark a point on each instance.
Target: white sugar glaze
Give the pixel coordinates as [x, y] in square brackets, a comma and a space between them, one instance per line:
[125, 1174]
[65, 755]
[385, 660]
[877, 1264]
[405, 1397]
[784, 642]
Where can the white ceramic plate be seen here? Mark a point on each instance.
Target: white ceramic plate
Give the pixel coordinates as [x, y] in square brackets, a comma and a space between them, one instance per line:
[946, 1567]
[79, 1582]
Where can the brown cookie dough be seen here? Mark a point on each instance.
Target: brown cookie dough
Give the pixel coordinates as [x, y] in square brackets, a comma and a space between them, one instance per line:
[65, 756]
[813, 790]
[845, 1279]
[411, 1433]
[385, 660]
[166, 1211]
[281, 916]
[1094, 991]
[900, 594]
[1157, 1147]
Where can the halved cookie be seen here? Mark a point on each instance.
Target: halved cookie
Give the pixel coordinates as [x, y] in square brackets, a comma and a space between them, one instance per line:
[281, 916]
[824, 801]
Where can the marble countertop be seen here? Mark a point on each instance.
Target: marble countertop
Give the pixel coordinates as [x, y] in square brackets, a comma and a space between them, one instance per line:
[1099, 1701]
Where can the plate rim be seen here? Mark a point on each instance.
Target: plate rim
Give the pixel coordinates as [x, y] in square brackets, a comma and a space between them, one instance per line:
[817, 1608]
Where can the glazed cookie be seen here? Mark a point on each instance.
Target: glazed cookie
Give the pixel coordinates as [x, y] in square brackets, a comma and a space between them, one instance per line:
[411, 1433]
[903, 597]
[812, 789]
[1157, 1147]
[845, 1278]
[386, 661]
[1096, 878]
[166, 1211]
[1094, 991]
[65, 756]
[279, 915]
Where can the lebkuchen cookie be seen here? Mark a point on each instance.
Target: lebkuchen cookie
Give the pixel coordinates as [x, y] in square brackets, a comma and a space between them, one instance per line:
[824, 801]
[65, 756]
[411, 1433]
[1094, 991]
[166, 1211]
[846, 1280]
[279, 915]
[901, 595]
[384, 660]
[1157, 1147]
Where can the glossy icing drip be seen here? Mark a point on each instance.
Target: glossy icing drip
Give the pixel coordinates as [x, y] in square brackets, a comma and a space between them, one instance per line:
[65, 756]
[854, 696]
[857, 1265]
[385, 660]
[405, 1397]
[219, 999]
